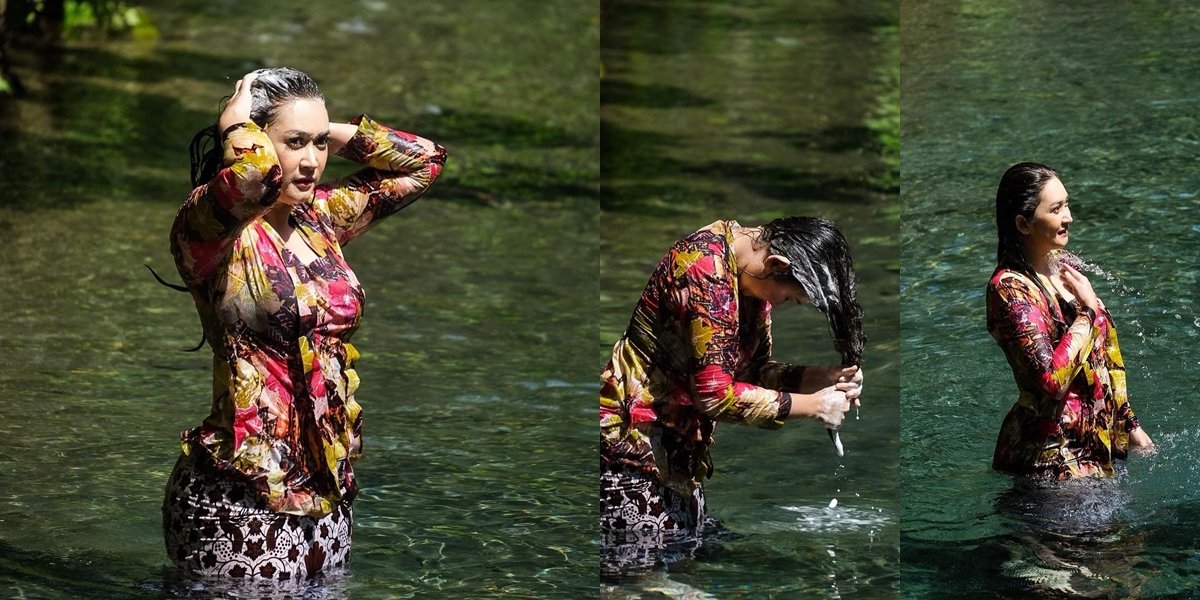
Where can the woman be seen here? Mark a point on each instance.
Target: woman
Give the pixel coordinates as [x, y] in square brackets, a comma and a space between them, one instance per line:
[264, 486]
[1072, 417]
[697, 351]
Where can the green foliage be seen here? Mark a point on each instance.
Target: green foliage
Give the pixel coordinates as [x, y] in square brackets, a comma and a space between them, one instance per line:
[72, 18]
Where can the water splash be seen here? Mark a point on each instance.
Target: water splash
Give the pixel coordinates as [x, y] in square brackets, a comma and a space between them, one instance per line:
[1060, 258]
[844, 519]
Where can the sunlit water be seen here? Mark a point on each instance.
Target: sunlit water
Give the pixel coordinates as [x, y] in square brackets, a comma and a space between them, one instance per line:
[478, 367]
[1105, 93]
[728, 110]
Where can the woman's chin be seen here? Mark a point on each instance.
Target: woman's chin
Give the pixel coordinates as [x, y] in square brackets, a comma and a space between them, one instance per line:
[292, 199]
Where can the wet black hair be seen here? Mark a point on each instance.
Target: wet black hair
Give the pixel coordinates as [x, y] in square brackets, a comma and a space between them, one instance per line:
[822, 264]
[1018, 194]
[271, 90]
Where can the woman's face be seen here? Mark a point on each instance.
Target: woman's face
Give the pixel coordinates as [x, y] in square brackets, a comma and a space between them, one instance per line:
[300, 134]
[1047, 230]
[778, 288]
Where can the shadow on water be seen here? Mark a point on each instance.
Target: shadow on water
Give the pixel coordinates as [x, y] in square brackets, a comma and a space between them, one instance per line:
[785, 183]
[649, 95]
[25, 572]
[832, 139]
[81, 125]
[626, 150]
[667, 19]
[1059, 539]
[450, 127]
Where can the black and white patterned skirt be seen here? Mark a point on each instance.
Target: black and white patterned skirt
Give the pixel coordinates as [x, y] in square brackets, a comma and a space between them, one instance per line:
[645, 525]
[213, 527]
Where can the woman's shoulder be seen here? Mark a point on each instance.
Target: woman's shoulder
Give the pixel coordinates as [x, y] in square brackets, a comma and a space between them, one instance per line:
[1004, 277]
[713, 232]
[702, 254]
[1008, 286]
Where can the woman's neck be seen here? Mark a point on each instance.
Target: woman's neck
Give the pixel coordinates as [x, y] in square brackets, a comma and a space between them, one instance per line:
[277, 216]
[1040, 261]
[744, 250]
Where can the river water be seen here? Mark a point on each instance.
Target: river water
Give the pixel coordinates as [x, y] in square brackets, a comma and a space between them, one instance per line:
[751, 111]
[1104, 93]
[478, 368]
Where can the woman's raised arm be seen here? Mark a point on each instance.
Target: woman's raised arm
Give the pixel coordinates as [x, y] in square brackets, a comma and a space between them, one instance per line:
[244, 188]
[400, 167]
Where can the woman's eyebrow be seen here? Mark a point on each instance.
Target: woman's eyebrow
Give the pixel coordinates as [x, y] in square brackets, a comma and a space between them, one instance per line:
[297, 132]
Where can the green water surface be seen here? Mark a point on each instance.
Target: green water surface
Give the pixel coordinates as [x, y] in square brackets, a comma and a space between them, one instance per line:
[1105, 93]
[479, 363]
[751, 111]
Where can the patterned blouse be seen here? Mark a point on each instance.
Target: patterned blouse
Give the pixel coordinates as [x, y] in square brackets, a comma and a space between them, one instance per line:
[695, 352]
[1072, 417]
[283, 413]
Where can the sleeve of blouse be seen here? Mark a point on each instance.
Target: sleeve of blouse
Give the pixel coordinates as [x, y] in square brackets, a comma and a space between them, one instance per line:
[1022, 328]
[1125, 417]
[215, 212]
[709, 307]
[766, 372]
[399, 168]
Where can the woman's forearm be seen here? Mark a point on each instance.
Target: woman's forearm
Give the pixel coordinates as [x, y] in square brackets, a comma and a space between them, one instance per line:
[339, 135]
[1139, 438]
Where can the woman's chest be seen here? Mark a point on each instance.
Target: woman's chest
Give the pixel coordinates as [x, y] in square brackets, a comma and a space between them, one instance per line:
[302, 281]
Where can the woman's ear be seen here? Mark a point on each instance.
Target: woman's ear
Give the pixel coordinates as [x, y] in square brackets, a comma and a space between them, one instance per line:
[776, 263]
[1022, 224]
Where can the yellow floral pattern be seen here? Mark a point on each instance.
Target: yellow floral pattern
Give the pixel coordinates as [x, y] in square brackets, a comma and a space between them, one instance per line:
[1072, 417]
[283, 416]
[695, 352]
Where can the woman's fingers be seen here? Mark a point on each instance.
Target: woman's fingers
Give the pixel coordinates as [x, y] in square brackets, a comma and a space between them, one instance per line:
[238, 109]
[1078, 284]
[834, 405]
[852, 374]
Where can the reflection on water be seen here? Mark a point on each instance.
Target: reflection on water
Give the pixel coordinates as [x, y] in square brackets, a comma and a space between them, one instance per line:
[720, 110]
[969, 113]
[477, 367]
[1051, 540]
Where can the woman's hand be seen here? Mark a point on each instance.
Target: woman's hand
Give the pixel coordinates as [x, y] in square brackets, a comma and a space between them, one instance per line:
[852, 375]
[828, 406]
[339, 136]
[818, 377]
[238, 109]
[1080, 287]
[1141, 442]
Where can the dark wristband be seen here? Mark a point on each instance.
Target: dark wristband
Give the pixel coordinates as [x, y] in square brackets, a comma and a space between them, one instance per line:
[1090, 313]
[785, 406]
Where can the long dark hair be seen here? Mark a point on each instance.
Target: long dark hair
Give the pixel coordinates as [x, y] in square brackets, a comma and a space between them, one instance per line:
[270, 91]
[1018, 194]
[822, 264]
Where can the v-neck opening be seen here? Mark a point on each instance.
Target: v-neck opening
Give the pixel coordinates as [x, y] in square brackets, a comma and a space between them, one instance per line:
[281, 244]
